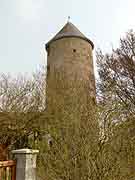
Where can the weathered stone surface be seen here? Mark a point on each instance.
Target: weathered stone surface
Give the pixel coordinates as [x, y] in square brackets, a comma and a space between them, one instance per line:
[74, 57]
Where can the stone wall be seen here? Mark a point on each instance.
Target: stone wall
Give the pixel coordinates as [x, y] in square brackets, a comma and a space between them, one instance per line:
[74, 57]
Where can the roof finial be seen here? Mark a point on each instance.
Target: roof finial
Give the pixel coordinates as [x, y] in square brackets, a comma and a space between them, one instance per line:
[69, 19]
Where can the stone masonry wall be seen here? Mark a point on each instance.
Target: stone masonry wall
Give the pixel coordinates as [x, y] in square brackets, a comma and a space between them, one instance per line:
[74, 57]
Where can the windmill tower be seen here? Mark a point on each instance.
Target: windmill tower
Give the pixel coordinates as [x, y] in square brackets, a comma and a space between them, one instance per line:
[70, 51]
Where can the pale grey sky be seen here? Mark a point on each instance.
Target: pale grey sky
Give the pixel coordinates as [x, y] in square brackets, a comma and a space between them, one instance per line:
[26, 25]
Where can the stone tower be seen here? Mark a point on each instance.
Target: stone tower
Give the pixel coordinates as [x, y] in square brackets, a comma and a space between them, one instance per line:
[70, 51]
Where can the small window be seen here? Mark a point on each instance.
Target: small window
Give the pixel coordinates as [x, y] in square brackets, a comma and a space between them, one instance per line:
[48, 69]
[48, 50]
[74, 50]
[93, 100]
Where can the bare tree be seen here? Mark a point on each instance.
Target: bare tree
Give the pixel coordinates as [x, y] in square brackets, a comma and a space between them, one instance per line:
[73, 128]
[22, 102]
[72, 144]
[117, 73]
[116, 95]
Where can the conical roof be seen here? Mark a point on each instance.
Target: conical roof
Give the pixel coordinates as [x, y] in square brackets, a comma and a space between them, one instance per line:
[69, 30]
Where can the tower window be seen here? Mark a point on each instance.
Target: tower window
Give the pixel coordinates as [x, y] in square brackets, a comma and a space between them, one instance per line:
[74, 50]
[48, 69]
[48, 50]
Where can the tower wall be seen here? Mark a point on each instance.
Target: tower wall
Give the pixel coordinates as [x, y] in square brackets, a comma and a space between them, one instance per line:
[73, 56]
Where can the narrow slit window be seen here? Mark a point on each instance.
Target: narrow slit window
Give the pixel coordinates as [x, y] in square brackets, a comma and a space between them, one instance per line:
[74, 50]
[48, 69]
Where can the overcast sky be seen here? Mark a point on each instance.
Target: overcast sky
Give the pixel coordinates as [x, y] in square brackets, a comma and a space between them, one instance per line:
[26, 25]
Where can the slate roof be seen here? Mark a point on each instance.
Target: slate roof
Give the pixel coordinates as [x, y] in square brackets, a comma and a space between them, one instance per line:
[69, 30]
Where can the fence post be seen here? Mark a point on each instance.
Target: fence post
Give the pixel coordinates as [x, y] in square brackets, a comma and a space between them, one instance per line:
[26, 164]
